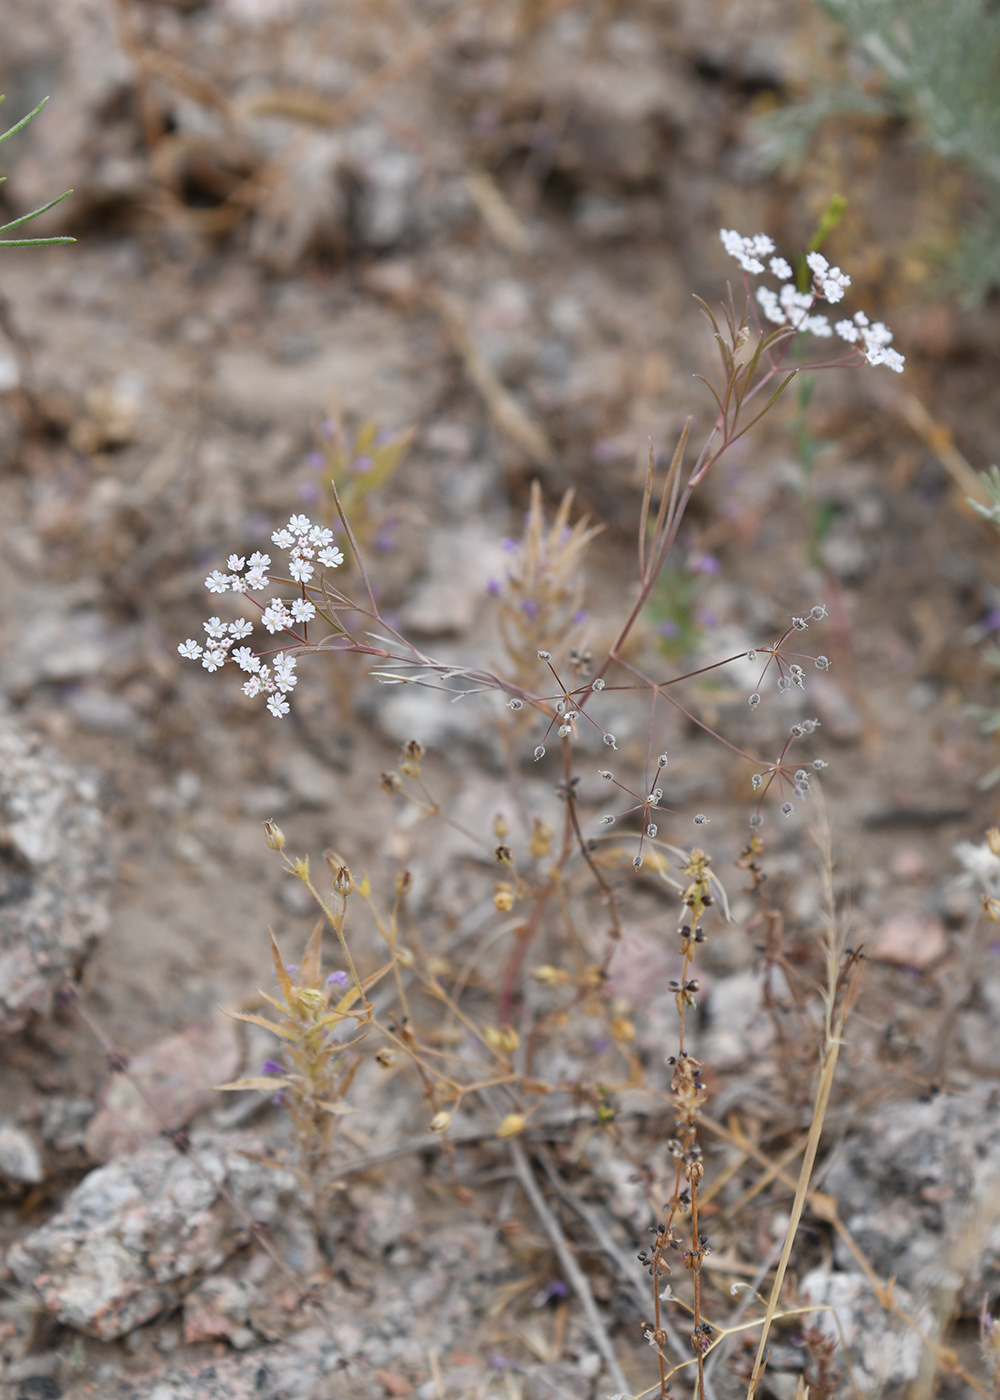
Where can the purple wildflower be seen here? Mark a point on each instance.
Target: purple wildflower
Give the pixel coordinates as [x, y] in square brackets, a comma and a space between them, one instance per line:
[272, 1067]
[337, 978]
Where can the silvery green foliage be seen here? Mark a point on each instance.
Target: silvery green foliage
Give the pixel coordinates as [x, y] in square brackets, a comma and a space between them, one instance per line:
[939, 65]
[26, 218]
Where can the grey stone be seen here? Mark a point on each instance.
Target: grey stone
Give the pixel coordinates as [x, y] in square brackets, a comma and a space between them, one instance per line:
[918, 1186]
[269, 1373]
[133, 1233]
[883, 1350]
[19, 1157]
[55, 873]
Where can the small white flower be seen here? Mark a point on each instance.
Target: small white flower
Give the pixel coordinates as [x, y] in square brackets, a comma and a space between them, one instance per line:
[240, 628]
[283, 539]
[284, 664]
[894, 360]
[780, 268]
[816, 325]
[278, 706]
[246, 660]
[260, 561]
[215, 627]
[235, 563]
[217, 582]
[252, 687]
[275, 617]
[238, 584]
[747, 251]
[770, 305]
[303, 610]
[332, 558]
[320, 536]
[299, 524]
[190, 650]
[301, 570]
[213, 659]
[256, 578]
[848, 331]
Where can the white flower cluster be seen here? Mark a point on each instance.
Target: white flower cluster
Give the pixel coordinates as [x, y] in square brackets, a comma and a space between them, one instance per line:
[306, 544]
[790, 307]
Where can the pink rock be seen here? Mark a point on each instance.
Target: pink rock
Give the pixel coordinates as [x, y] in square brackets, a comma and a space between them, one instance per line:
[177, 1075]
[912, 938]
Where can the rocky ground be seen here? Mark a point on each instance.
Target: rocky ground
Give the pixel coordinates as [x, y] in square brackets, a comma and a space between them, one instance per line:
[484, 223]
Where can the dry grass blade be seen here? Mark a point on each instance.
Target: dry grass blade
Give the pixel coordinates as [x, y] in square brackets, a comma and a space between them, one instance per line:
[496, 213]
[838, 1001]
[506, 412]
[572, 1272]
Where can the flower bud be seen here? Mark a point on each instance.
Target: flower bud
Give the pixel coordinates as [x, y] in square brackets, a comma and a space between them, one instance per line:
[441, 1122]
[274, 836]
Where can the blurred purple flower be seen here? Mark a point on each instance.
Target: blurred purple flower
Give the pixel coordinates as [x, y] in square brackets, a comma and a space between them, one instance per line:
[703, 564]
[362, 464]
[272, 1067]
[607, 450]
[508, 544]
[308, 491]
[528, 608]
[493, 587]
[669, 628]
[340, 978]
[317, 460]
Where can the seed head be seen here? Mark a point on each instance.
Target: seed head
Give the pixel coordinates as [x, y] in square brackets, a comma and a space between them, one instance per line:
[545, 656]
[609, 739]
[598, 684]
[661, 762]
[787, 809]
[539, 752]
[754, 700]
[701, 819]
[514, 703]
